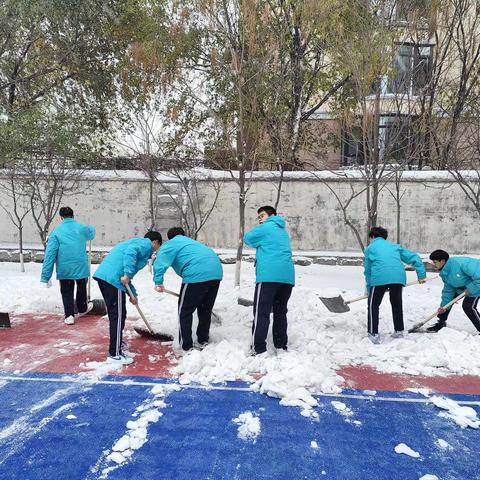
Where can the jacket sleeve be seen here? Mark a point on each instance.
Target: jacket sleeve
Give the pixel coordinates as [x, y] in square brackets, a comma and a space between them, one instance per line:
[49, 259]
[165, 257]
[414, 260]
[367, 269]
[89, 232]
[448, 294]
[130, 257]
[472, 270]
[255, 236]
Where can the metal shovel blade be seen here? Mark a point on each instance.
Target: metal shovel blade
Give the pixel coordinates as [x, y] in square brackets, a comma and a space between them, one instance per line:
[4, 320]
[99, 307]
[335, 304]
[145, 332]
[246, 302]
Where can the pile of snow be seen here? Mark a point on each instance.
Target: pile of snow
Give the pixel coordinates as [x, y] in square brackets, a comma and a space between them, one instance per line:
[248, 426]
[462, 416]
[404, 449]
[320, 342]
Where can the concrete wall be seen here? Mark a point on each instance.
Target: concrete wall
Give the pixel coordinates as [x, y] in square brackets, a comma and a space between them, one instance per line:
[435, 213]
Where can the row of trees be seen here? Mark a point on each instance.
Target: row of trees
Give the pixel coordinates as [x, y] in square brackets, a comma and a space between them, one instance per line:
[236, 84]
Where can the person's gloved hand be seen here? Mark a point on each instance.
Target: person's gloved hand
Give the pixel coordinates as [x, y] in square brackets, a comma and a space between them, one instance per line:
[47, 284]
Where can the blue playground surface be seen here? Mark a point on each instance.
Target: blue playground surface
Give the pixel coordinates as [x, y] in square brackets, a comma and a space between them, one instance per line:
[197, 439]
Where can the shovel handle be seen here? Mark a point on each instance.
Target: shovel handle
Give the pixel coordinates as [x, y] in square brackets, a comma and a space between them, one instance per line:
[139, 310]
[433, 315]
[171, 292]
[89, 291]
[363, 297]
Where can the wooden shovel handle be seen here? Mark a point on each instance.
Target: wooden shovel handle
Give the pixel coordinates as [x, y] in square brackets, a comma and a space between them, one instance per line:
[139, 310]
[433, 315]
[363, 297]
[171, 292]
[89, 291]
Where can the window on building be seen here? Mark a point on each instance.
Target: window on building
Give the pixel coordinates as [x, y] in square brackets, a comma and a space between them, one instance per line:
[397, 141]
[412, 69]
[352, 147]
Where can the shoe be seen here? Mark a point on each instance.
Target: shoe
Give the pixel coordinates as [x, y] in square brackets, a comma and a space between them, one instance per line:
[398, 334]
[69, 320]
[374, 338]
[121, 359]
[438, 326]
[88, 310]
[200, 345]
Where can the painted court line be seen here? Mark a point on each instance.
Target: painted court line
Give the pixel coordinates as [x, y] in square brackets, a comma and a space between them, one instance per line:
[129, 383]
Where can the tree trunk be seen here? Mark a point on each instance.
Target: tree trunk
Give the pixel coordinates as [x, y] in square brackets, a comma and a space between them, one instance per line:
[20, 238]
[241, 225]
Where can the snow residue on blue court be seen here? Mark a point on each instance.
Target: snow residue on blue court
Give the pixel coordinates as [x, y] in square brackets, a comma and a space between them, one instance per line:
[248, 426]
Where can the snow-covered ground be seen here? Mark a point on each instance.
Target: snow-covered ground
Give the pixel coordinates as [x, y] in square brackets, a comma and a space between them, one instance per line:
[319, 341]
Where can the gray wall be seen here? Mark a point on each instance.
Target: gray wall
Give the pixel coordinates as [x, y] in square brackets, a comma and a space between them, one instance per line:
[435, 212]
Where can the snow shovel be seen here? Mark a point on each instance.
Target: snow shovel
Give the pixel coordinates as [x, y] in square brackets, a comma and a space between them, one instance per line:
[148, 332]
[4, 320]
[99, 308]
[433, 315]
[340, 305]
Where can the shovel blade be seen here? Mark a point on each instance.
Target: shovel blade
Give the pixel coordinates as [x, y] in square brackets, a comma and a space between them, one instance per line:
[99, 307]
[245, 302]
[4, 320]
[335, 304]
[144, 332]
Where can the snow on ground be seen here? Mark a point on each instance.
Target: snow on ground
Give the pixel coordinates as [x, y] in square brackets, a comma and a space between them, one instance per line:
[248, 426]
[319, 341]
[404, 449]
[461, 415]
[136, 433]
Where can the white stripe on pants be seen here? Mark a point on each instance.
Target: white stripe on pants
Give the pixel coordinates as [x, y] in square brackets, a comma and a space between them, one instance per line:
[119, 324]
[255, 318]
[180, 305]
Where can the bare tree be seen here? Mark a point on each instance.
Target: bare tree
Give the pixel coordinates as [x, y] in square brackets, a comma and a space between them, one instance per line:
[163, 149]
[14, 188]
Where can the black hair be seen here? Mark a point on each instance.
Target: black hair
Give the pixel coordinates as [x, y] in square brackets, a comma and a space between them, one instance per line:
[439, 255]
[268, 210]
[154, 236]
[376, 232]
[174, 231]
[66, 212]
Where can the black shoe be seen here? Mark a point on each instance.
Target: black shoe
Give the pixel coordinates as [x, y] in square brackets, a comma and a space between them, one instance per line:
[438, 326]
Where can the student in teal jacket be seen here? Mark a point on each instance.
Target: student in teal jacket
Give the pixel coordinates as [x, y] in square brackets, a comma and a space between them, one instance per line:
[67, 250]
[275, 278]
[113, 274]
[201, 272]
[384, 270]
[459, 274]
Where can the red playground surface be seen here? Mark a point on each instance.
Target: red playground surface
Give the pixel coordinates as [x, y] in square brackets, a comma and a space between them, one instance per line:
[42, 343]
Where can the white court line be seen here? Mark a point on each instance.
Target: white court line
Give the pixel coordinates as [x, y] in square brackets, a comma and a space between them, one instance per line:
[129, 383]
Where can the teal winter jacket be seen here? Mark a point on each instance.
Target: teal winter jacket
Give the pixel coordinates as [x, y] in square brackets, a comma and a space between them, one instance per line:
[384, 263]
[67, 249]
[274, 261]
[458, 274]
[191, 260]
[125, 258]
